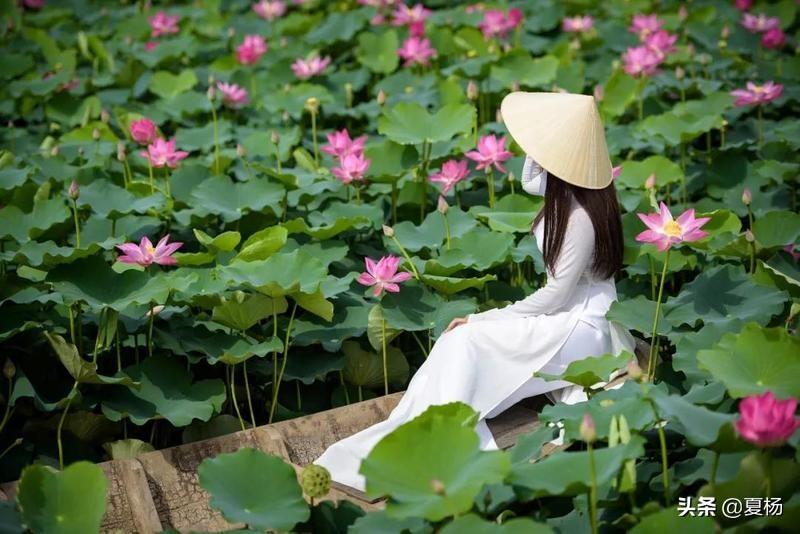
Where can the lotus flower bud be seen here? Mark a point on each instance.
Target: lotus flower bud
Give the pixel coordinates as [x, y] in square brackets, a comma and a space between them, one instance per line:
[498, 117]
[48, 143]
[587, 430]
[315, 481]
[650, 183]
[748, 236]
[283, 42]
[747, 196]
[388, 231]
[211, 93]
[104, 116]
[154, 311]
[616, 64]
[679, 73]
[240, 151]
[472, 90]
[599, 92]
[9, 369]
[511, 178]
[633, 369]
[128, 40]
[437, 486]
[312, 104]
[96, 134]
[74, 191]
[515, 85]
[441, 205]
[121, 155]
[725, 33]
[231, 32]
[682, 12]
[275, 137]
[54, 151]
[575, 44]
[7, 158]
[381, 98]
[211, 79]
[285, 117]
[81, 151]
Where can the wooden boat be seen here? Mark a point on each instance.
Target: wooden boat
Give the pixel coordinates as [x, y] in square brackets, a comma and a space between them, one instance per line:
[159, 490]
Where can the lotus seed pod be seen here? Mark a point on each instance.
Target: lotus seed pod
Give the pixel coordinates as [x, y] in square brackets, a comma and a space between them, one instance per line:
[441, 205]
[437, 486]
[748, 236]
[472, 90]
[315, 481]
[388, 231]
[633, 369]
[74, 190]
[587, 430]
[747, 196]
[9, 369]
[679, 73]
[381, 97]
[121, 155]
[312, 104]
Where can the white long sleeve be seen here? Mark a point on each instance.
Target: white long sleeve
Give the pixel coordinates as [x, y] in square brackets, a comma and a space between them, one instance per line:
[533, 177]
[573, 260]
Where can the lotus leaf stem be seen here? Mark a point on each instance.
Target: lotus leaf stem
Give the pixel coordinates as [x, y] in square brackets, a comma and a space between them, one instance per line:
[651, 362]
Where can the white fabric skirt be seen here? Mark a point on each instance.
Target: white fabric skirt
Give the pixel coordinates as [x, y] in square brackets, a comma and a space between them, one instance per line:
[488, 365]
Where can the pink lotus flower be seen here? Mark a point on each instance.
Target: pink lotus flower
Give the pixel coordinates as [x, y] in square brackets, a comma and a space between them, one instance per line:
[251, 49]
[774, 38]
[491, 151]
[340, 144]
[661, 42]
[270, 9]
[163, 24]
[145, 253]
[664, 231]
[790, 249]
[378, 3]
[452, 172]
[305, 69]
[149, 46]
[351, 168]
[33, 4]
[743, 5]
[497, 23]
[160, 153]
[416, 50]
[406, 16]
[417, 29]
[383, 275]
[644, 25]
[759, 23]
[143, 131]
[577, 24]
[766, 421]
[641, 61]
[615, 171]
[233, 95]
[757, 94]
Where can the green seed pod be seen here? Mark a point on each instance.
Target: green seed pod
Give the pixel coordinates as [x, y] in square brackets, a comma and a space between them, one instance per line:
[315, 481]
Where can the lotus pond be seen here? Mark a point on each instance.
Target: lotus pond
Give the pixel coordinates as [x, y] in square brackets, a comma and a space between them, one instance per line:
[221, 214]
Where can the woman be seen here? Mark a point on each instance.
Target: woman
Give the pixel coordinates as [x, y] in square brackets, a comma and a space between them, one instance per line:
[487, 359]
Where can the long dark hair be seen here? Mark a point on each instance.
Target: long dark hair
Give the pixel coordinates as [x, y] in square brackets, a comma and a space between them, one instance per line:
[603, 210]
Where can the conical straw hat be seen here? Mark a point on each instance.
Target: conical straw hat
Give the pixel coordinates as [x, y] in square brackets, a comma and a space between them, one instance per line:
[563, 133]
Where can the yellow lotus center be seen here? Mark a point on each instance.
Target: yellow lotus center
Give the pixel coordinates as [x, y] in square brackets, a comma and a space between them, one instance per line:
[673, 229]
[758, 89]
[150, 249]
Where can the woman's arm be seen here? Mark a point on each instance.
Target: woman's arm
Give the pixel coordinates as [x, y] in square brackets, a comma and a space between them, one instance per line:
[533, 177]
[573, 260]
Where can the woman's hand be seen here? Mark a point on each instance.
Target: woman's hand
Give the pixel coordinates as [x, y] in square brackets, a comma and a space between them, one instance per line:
[458, 321]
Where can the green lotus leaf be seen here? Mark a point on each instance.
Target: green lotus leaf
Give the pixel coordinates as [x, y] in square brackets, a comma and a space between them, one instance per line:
[259, 143]
[23, 226]
[447, 285]
[431, 233]
[700, 425]
[293, 99]
[108, 200]
[262, 244]
[723, 293]
[83, 371]
[676, 129]
[528, 447]
[316, 303]
[249, 312]
[777, 228]
[348, 322]
[254, 488]
[408, 123]
[377, 331]
[313, 366]
[224, 242]
[167, 85]
[635, 173]
[281, 274]
[337, 27]
[687, 345]
[215, 346]
[476, 525]
[217, 426]
[414, 309]
[62, 502]
[670, 520]
[779, 272]
[48, 253]
[378, 52]
[637, 314]
[567, 473]
[389, 159]
[588, 371]
[12, 178]
[365, 369]
[328, 230]
[230, 200]
[125, 449]
[442, 478]
[619, 92]
[379, 522]
[166, 391]
[93, 281]
[755, 360]
[519, 67]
